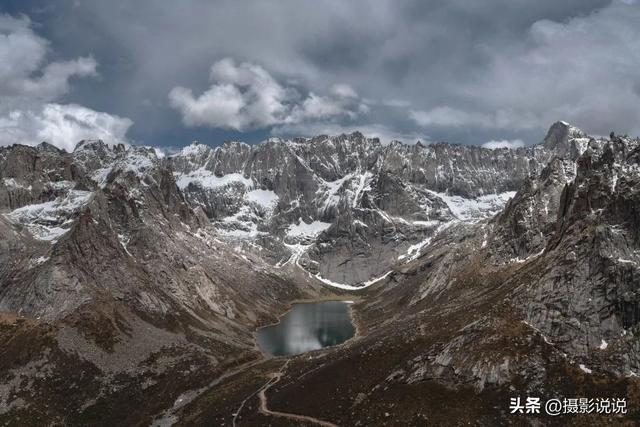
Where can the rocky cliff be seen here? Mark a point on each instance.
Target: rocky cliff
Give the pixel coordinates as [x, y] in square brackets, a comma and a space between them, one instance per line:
[128, 278]
[347, 207]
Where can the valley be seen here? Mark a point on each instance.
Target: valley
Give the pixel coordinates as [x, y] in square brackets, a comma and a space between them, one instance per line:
[132, 283]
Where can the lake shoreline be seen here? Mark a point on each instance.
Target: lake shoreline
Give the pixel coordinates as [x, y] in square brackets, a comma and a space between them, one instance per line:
[349, 300]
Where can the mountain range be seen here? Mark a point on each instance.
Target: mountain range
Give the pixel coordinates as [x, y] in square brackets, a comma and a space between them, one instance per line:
[131, 283]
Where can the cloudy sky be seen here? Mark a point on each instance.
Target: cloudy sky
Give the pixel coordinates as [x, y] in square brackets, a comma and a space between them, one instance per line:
[166, 73]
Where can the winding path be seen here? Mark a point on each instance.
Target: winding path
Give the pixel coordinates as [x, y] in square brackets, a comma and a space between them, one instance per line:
[169, 417]
[264, 409]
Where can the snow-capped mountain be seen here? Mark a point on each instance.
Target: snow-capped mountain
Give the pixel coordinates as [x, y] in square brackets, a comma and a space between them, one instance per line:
[132, 277]
[346, 208]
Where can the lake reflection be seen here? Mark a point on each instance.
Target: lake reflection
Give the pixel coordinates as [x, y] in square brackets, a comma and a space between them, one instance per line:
[308, 326]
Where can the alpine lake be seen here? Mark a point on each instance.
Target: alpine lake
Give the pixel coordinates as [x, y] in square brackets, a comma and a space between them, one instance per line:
[307, 326]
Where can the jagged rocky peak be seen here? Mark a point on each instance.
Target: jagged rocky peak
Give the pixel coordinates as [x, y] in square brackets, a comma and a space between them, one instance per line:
[90, 144]
[241, 146]
[334, 193]
[529, 221]
[92, 154]
[45, 146]
[31, 174]
[595, 243]
[565, 139]
[194, 149]
[344, 137]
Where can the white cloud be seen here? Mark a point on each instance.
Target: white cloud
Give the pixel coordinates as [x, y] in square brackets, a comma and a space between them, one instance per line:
[397, 103]
[62, 125]
[221, 105]
[342, 101]
[24, 75]
[343, 91]
[584, 69]
[445, 116]
[29, 85]
[579, 61]
[505, 143]
[318, 107]
[245, 96]
[242, 96]
[54, 81]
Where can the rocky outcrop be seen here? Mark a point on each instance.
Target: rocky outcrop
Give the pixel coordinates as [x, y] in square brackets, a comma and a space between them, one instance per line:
[565, 140]
[586, 297]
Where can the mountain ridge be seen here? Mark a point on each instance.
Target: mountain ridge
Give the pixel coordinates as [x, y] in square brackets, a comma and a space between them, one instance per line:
[151, 270]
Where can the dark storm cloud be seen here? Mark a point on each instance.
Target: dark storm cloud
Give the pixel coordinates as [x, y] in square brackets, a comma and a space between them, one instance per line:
[456, 70]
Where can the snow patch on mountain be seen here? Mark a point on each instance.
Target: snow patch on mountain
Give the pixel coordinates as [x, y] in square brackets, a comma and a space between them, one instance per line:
[136, 161]
[242, 224]
[48, 221]
[194, 149]
[585, 369]
[347, 287]
[297, 250]
[206, 179]
[12, 183]
[38, 261]
[475, 209]
[330, 191]
[61, 185]
[414, 251]
[265, 198]
[124, 241]
[99, 176]
[363, 185]
[354, 185]
[302, 229]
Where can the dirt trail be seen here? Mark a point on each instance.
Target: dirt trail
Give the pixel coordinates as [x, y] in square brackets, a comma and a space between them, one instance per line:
[169, 417]
[264, 409]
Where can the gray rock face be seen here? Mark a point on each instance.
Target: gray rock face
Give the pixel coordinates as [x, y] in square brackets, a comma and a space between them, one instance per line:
[565, 140]
[347, 205]
[101, 217]
[561, 261]
[587, 297]
[345, 209]
[353, 204]
[33, 174]
[529, 219]
[121, 280]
